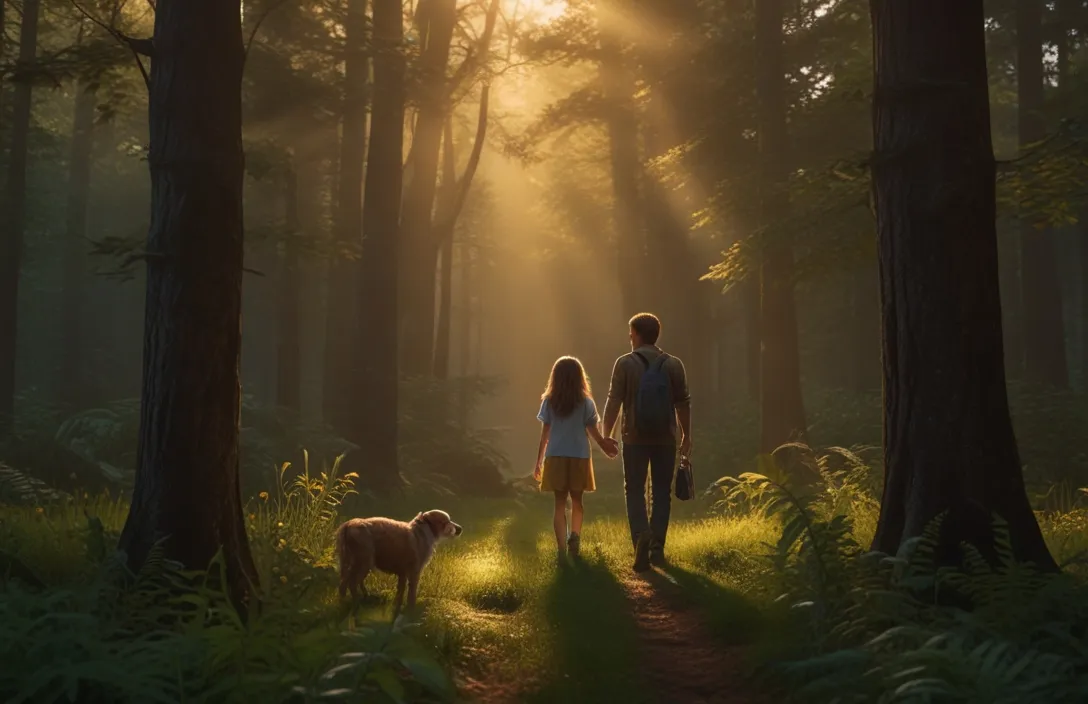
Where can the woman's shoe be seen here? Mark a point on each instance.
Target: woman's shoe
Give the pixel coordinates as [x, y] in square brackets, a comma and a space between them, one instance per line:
[574, 543]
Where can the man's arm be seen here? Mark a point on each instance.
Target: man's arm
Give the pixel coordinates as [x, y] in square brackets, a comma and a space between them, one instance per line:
[616, 391]
[683, 406]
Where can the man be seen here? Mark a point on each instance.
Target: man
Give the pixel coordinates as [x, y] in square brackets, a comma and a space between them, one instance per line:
[649, 434]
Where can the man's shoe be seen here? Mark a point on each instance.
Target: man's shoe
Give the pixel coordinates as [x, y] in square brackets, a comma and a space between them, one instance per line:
[642, 553]
[574, 543]
[657, 555]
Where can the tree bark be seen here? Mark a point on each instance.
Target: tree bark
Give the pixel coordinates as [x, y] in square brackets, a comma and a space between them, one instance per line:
[1044, 329]
[435, 21]
[782, 407]
[288, 352]
[343, 286]
[187, 489]
[75, 252]
[618, 88]
[13, 219]
[948, 439]
[374, 390]
[445, 308]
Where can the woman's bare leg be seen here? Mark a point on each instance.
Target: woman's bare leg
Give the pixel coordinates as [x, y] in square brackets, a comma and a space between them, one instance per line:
[559, 520]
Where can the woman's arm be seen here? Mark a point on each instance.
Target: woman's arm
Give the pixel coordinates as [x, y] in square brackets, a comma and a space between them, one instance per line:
[545, 431]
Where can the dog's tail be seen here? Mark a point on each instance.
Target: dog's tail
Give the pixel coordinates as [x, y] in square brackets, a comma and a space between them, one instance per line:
[343, 551]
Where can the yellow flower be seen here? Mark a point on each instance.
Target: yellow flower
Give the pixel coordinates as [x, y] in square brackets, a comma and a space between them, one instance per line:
[283, 579]
[263, 495]
[252, 516]
[39, 510]
[279, 524]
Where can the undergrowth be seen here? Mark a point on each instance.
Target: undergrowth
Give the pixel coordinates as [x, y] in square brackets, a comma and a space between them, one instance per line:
[868, 627]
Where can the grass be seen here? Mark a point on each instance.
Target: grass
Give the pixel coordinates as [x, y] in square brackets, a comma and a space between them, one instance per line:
[496, 614]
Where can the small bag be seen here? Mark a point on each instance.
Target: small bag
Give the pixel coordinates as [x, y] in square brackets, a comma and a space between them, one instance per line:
[685, 481]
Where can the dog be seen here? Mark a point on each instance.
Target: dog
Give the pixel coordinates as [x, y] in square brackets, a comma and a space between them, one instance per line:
[394, 547]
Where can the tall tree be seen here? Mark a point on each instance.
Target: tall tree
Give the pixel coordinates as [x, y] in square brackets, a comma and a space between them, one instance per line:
[455, 194]
[75, 250]
[1041, 290]
[288, 351]
[782, 406]
[374, 388]
[187, 489]
[435, 20]
[948, 438]
[618, 89]
[13, 216]
[340, 354]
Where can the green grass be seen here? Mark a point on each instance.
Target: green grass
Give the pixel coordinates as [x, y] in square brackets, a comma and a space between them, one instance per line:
[495, 611]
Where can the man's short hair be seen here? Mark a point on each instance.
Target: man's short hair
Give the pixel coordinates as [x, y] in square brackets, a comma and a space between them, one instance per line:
[647, 326]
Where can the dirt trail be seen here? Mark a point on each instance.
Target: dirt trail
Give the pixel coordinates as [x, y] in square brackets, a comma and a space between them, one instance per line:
[683, 663]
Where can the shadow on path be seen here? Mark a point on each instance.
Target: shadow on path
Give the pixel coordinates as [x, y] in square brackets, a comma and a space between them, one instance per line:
[596, 639]
[682, 618]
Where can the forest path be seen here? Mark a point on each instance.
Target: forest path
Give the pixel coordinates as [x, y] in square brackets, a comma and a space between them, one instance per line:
[680, 658]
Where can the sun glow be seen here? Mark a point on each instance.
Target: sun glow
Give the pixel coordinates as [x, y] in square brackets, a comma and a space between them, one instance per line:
[542, 11]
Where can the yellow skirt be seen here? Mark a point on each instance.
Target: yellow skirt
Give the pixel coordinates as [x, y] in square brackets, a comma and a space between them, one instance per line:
[567, 474]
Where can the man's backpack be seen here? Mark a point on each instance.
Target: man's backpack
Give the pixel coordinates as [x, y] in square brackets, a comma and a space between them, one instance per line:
[654, 410]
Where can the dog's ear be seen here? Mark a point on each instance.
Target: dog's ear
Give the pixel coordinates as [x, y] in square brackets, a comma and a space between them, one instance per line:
[418, 517]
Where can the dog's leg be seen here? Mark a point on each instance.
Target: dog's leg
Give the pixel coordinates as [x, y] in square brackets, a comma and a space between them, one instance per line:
[413, 584]
[401, 581]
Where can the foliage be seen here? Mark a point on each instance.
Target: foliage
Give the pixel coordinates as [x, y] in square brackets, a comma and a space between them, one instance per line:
[879, 628]
[95, 449]
[165, 634]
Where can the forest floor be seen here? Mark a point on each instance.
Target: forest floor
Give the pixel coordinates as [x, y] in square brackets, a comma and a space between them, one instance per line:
[517, 627]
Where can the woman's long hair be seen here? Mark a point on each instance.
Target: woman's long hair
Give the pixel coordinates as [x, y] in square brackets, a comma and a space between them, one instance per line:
[568, 387]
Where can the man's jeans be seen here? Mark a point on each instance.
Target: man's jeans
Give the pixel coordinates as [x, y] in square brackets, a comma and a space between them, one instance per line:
[661, 461]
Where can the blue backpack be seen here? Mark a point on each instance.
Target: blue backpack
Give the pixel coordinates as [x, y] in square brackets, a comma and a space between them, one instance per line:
[654, 410]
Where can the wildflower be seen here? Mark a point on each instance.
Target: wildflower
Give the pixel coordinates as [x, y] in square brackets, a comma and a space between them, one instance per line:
[283, 579]
[253, 517]
[279, 524]
[263, 495]
[39, 510]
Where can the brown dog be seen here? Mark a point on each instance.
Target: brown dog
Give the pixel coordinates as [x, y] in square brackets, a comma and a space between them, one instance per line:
[394, 547]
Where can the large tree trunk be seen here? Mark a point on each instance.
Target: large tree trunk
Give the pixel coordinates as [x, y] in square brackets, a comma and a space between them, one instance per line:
[187, 490]
[374, 390]
[419, 251]
[1044, 329]
[72, 380]
[13, 219]
[341, 313]
[782, 407]
[948, 439]
[288, 350]
[618, 87]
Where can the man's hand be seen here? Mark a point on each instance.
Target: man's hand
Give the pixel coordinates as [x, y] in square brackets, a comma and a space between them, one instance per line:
[611, 448]
[685, 446]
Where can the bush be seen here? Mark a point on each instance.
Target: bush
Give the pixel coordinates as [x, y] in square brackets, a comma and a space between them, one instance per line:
[167, 635]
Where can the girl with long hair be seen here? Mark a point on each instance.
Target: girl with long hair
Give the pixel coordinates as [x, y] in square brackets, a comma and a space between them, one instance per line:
[568, 418]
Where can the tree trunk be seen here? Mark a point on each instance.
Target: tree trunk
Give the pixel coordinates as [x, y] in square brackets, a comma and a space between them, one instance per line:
[374, 390]
[419, 252]
[782, 407]
[618, 87]
[341, 314]
[75, 252]
[288, 357]
[948, 439]
[445, 308]
[1044, 329]
[13, 219]
[187, 490]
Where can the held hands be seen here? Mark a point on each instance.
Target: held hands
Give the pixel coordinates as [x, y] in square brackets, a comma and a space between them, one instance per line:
[538, 471]
[610, 447]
